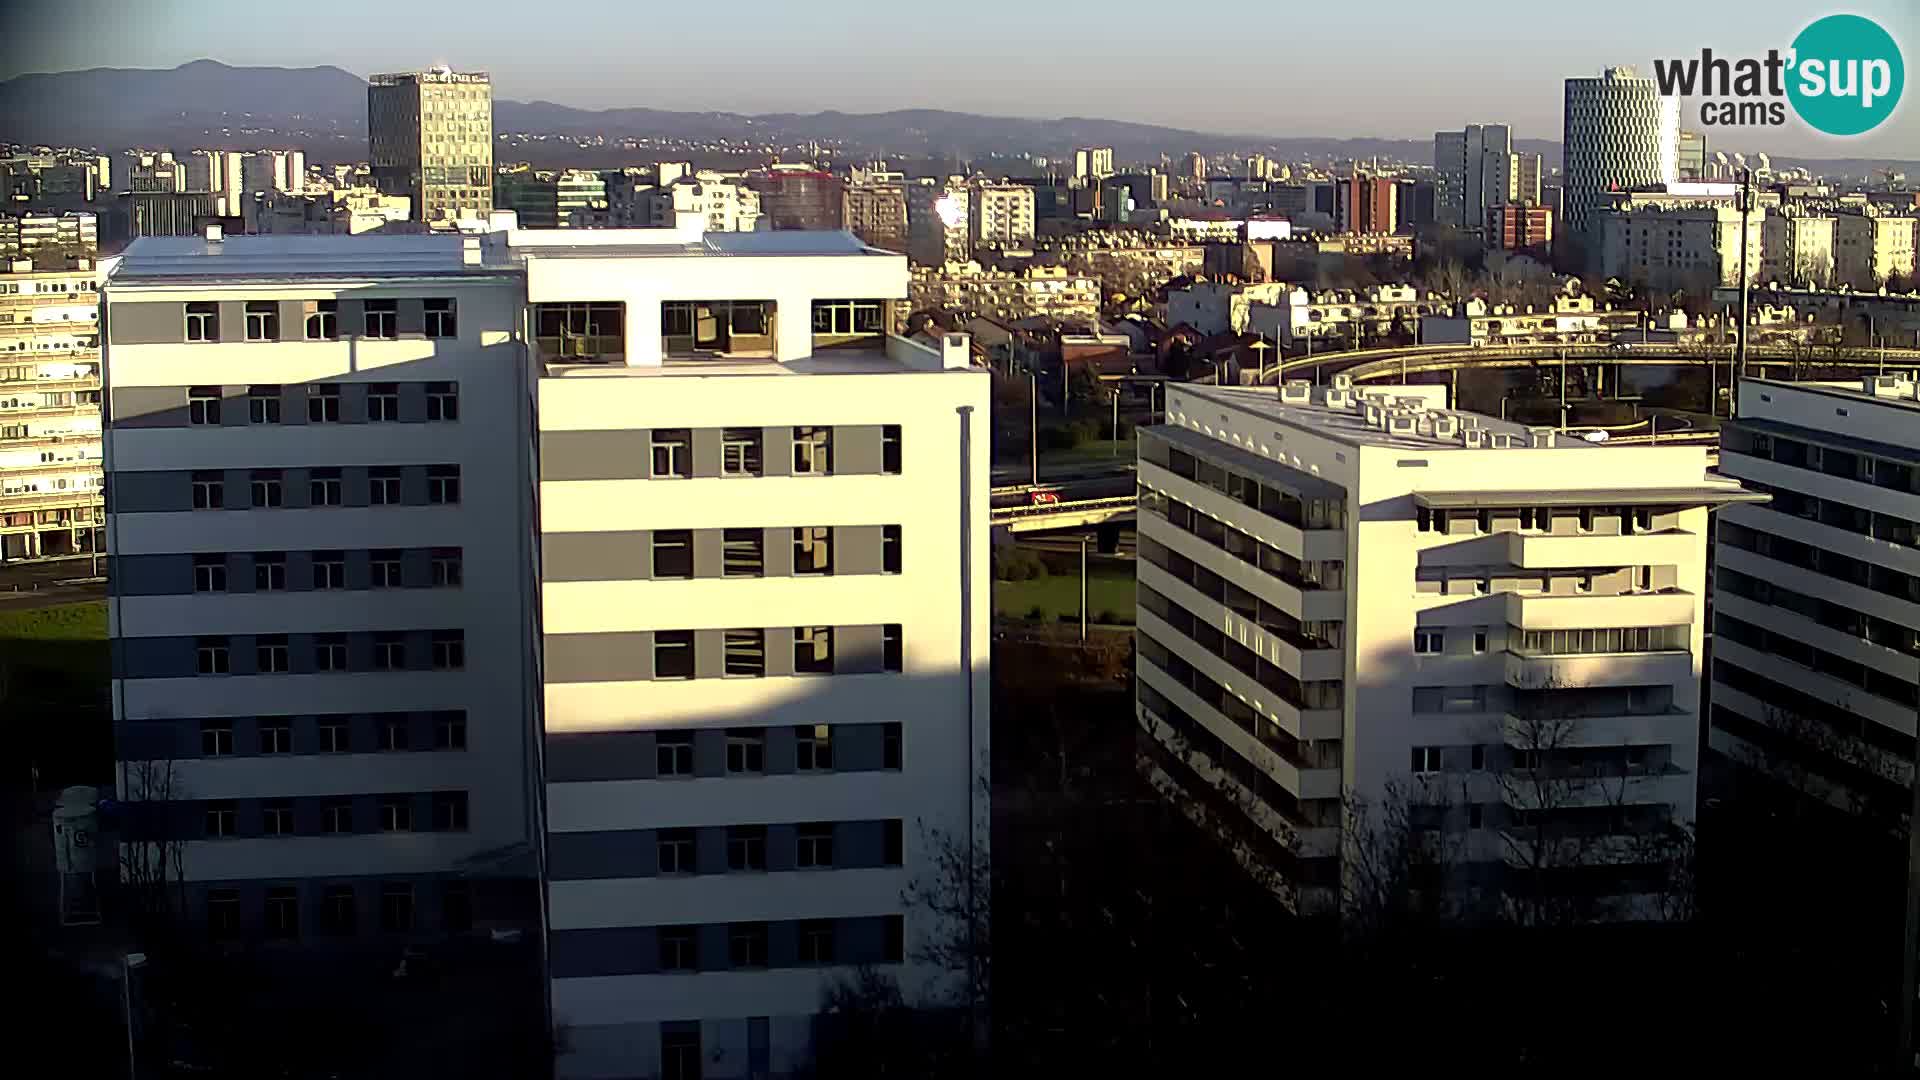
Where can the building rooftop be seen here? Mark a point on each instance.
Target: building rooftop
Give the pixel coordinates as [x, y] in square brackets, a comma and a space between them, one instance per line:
[1894, 391]
[1349, 422]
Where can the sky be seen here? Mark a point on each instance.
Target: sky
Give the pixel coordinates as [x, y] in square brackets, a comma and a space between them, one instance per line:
[1385, 68]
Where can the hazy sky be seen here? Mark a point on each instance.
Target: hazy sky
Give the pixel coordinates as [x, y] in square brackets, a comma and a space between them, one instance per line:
[1393, 68]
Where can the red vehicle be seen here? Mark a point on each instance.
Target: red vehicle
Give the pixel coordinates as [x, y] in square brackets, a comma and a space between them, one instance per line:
[1042, 498]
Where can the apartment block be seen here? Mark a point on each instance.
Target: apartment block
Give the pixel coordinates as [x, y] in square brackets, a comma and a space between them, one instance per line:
[430, 138]
[1817, 593]
[1870, 248]
[34, 235]
[1361, 591]
[50, 474]
[1001, 215]
[937, 221]
[1521, 227]
[875, 210]
[1797, 249]
[640, 560]
[1669, 245]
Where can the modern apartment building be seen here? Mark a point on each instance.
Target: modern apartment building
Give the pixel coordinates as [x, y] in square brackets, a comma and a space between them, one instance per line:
[1871, 247]
[722, 200]
[1797, 249]
[50, 501]
[876, 211]
[1665, 244]
[1366, 204]
[1346, 590]
[1693, 160]
[798, 197]
[29, 235]
[1092, 164]
[1463, 163]
[430, 138]
[222, 172]
[1620, 133]
[1000, 215]
[1521, 227]
[643, 557]
[1817, 594]
[937, 221]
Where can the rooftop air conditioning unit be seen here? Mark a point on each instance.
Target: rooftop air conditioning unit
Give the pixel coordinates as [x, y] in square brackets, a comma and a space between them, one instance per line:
[1343, 382]
[1296, 392]
[1411, 401]
[1894, 386]
[1338, 399]
[1473, 438]
[1402, 423]
[1445, 427]
[1540, 437]
[1500, 440]
[1373, 415]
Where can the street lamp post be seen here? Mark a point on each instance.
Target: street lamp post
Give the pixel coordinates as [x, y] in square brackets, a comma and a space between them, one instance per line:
[1033, 427]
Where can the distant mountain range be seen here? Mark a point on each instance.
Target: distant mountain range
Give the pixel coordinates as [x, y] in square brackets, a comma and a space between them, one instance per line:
[210, 104]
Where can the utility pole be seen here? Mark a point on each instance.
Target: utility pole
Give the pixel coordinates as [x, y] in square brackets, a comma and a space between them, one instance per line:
[1033, 426]
[1563, 388]
[1083, 590]
[1116, 420]
[1740, 366]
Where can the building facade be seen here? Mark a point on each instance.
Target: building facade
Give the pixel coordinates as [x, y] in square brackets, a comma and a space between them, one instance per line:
[50, 475]
[29, 235]
[372, 743]
[430, 138]
[1817, 594]
[1522, 227]
[1000, 215]
[876, 212]
[1869, 248]
[1509, 640]
[1620, 133]
[1367, 204]
[723, 201]
[937, 221]
[798, 197]
[1669, 244]
[1092, 164]
[1797, 249]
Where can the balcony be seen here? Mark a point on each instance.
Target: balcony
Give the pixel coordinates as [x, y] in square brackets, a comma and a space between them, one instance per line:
[1672, 667]
[22, 412]
[85, 466]
[1541, 551]
[1583, 610]
[1612, 729]
[1542, 789]
[53, 382]
[42, 500]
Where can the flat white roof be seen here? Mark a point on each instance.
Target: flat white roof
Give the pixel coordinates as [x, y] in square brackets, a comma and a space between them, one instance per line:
[1349, 425]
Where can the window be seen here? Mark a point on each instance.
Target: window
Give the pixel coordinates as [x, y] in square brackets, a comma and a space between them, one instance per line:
[209, 573]
[323, 323]
[812, 451]
[440, 318]
[339, 911]
[890, 449]
[672, 452]
[396, 908]
[329, 570]
[269, 571]
[382, 319]
[740, 450]
[383, 567]
[745, 653]
[1586, 519]
[673, 753]
[389, 652]
[673, 654]
[203, 321]
[323, 488]
[450, 811]
[450, 730]
[1480, 639]
[216, 738]
[672, 553]
[221, 820]
[270, 655]
[1427, 642]
[276, 817]
[813, 549]
[813, 650]
[223, 912]
[890, 549]
[675, 849]
[891, 647]
[894, 939]
[746, 750]
[1426, 759]
[846, 317]
[816, 941]
[203, 405]
[211, 654]
[747, 847]
[680, 1053]
[443, 484]
[263, 404]
[813, 748]
[336, 816]
[1478, 757]
[383, 403]
[265, 488]
[679, 951]
[263, 320]
[449, 650]
[890, 746]
[447, 568]
[330, 652]
[208, 489]
[747, 945]
[816, 847]
[335, 737]
[276, 735]
[443, 402]
[456, 907]
[383, 485]
[893, 843]
[396, 813]
[323, 404]
[1423, 519]
[742, 553]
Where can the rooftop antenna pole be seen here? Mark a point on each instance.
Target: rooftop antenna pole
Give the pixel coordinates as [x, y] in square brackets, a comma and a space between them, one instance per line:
[1740, 363]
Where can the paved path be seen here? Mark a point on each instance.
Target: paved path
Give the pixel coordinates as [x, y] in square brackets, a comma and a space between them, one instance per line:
[45, 584]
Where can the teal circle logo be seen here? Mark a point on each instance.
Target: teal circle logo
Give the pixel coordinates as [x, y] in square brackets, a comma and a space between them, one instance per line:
[1847, 75]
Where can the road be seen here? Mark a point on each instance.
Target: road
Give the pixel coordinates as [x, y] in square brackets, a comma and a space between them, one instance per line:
[45, 584]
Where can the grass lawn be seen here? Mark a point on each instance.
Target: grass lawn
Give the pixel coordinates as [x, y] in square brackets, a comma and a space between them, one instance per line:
[1109, 588]
[1103, 451]
[68, 639]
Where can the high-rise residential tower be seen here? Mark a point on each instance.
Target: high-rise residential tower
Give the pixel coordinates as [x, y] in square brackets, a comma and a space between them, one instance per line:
[1620, 133]
[50, 478]
[430, 138]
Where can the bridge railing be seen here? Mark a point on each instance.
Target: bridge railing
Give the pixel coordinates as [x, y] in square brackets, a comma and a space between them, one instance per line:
[1063, 509]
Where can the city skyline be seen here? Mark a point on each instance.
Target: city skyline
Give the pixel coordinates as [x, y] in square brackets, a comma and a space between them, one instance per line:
[787, 64]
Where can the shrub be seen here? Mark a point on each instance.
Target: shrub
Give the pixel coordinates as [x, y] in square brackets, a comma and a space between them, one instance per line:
[1035, 614]
[1107, 617]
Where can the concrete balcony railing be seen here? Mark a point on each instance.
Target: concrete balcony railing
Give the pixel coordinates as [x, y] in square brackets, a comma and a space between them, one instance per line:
[1671, 667]
[1562, 791]
[1539, 551]
[41, 500]
[1622, 729]
[88, 408]
[52, 382]
[85, 467]
[1299, 835]
[1583, 611]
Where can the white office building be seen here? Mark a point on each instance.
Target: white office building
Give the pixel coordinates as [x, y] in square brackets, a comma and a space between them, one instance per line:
[723, 201]
[1817, 594]
[50, 476]
[1620, 134]
[644, 552]
[1357, 590]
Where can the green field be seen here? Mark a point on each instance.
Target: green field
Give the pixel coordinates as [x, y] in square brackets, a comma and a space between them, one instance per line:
[1109, 588]
[66, 640]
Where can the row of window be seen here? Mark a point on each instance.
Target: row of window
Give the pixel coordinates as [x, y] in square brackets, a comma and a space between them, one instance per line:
[1301, 512]
[1625, 520]
[674, 849]
[1899, 689]
[1847, 620]
[1829, 460]
[1325, 574]
[1834, 514]
[1857, 572]
[266, 488]
[446, 570]
[447, 651]
[1318, 694]
[1432, 641]
[747, 750]
[747, 949]
[1590, 640]
[743, 451]
[744, 651]
[206, 404]
[1301, 634]
[338, 910]
[379, 319]
[1195, 737]
[392, 813]
[743, 551]
[1829, 727]
[333, 733]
